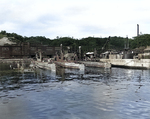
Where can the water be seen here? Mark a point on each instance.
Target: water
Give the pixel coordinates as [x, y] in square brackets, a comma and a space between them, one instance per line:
[96, 93]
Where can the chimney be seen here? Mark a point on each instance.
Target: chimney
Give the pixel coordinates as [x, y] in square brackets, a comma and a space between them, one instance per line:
[137, 29]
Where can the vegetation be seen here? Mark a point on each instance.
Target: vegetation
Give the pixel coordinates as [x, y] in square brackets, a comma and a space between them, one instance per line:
[88, 44]
[140, 41]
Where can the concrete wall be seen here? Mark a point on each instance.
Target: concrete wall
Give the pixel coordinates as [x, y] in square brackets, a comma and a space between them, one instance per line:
[17, 63]
[143, 63]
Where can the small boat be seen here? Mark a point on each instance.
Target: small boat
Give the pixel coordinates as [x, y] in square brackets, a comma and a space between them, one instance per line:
[45, 65]
[72, 65]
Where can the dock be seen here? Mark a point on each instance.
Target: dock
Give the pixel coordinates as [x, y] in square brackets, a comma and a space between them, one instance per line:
[129, 63]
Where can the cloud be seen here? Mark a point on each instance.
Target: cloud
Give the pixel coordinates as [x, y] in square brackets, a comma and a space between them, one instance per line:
[77, 18]
[9, 26]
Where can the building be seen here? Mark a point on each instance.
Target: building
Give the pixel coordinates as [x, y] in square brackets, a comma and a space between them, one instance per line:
[26, 50]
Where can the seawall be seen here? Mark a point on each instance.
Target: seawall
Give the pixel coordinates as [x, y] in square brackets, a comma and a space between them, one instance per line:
[14, 60]
[17, 63]
[131, 63]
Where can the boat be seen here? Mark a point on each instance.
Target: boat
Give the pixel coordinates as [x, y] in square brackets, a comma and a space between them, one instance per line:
[96, 64]
[45, 65]
[68, 60]
[72, 65]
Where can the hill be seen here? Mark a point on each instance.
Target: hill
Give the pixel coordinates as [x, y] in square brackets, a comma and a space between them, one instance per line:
[87, 44]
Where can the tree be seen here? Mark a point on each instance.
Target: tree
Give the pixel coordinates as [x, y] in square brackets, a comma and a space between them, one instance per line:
[141, 41]
[3, 32]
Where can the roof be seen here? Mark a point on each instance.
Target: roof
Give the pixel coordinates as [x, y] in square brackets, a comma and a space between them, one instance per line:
[89, 53]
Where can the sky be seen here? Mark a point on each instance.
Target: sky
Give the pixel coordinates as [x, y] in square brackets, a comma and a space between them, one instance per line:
[75, 18]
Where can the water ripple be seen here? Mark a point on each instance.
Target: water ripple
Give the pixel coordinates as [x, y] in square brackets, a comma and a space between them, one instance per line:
[96, 93]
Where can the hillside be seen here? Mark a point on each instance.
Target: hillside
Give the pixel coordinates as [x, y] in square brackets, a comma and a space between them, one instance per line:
[88, 44]
[5, 40]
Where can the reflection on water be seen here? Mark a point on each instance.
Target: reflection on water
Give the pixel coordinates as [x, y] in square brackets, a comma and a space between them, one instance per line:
[73, 94]
[4, 66]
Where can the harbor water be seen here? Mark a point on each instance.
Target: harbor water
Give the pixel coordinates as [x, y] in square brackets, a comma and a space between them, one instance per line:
[95, 93]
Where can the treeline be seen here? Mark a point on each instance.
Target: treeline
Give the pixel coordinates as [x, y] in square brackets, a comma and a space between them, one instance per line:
[87, 44]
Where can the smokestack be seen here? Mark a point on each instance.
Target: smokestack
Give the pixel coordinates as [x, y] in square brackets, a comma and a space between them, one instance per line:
[137, 29]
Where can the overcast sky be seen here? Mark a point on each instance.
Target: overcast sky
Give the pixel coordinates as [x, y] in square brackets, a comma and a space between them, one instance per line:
[75, 18]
